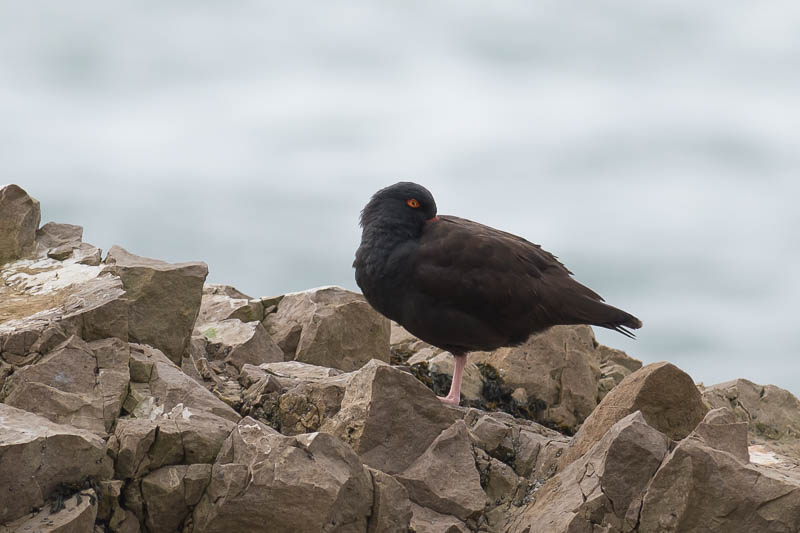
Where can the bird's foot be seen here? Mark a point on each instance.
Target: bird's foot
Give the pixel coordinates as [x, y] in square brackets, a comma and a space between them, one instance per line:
[449, 400]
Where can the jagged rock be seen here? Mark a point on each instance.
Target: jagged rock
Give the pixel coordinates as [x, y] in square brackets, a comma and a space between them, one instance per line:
[772, 413]
[37, 455]
[615, 365]
[223, 302]
[516, 442]
[557, 369]
[43, 297]
[313, 483]
[331, 327]
[171, 492]
[77, 383]
[19, 218]
[666, 396]
[391, 508]
[381, 409]
[601, 491]
[238, 343]
[305, 407]
[704, 485]
[164, 299]
[444, 477]
[169, 386]
[498, 480]
[425, 520]
[77, 516]
[53, 235]
[293, 373]
[178, 437]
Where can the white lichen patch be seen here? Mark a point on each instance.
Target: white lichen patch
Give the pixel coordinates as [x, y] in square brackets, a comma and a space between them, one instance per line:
[42, 276]
[762, 456]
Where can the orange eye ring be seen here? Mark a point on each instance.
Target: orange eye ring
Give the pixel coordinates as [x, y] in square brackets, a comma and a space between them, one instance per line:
[413, 202]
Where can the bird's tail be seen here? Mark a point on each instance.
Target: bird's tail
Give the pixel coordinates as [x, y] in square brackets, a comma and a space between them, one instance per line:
[586, 307]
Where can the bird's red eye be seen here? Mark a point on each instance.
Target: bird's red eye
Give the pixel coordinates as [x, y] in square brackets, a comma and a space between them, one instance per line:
[413, 202]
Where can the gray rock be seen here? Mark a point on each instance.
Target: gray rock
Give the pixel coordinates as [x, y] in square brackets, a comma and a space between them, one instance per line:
[164, 299]
[171, 492]
[602, 490]
[19, 219]
[77, 516]
[37, 455]
[313, 483]
[238, 343]
[704, 485]
[223, 302]
[381, 408]
[666, 396]
[329, 326]
[391, 508]
[444, 477]
[558, 369]
[772, 414]
[425, 520]
[39, 298]
[77, 383]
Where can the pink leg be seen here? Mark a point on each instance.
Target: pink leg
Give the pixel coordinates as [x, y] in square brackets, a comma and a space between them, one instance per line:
[454, 396]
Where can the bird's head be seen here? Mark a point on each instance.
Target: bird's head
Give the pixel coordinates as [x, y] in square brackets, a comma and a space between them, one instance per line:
[404, 206]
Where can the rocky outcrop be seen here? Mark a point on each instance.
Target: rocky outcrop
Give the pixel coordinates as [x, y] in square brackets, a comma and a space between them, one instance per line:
[772, 414]
[19, 219]
[122, 412]
[38, 456]
[164, 299]
[330, 327]
[665, 395]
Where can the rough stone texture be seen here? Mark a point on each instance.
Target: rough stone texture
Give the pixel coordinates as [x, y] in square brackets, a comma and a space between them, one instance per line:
[238, 343]
[313, 483]
[37, 455]
[329, 326]
[77, 516]
[704, 485]
[305, 407]
[42, 297]
[426, 520]
[170, 387]
[444, 477]
[19, 219]
[171, 492]
[77, 383]
[53, 235]
[615, 365]
[602, 491]
[391, 508]
[143, 445]
[666, 396]
[772, 413]
[381, 408]
[164, 299]
[293, 373]
[558, 371]
[223, 302]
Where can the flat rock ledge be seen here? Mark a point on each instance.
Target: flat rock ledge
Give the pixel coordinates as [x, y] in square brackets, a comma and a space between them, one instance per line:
[134, 397]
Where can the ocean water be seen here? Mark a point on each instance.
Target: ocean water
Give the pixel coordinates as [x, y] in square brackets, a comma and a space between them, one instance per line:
[654, 147]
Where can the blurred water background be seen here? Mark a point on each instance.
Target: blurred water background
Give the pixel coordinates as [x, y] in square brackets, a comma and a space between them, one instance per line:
[653, 146]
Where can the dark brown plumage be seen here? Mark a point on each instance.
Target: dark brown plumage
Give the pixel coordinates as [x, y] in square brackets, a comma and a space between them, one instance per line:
[463, 286]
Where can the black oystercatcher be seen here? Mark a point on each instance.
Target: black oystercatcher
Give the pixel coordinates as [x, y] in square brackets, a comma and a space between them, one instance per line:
[463, 286]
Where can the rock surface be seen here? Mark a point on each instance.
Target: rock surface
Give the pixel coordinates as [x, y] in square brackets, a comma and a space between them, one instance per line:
[135, 399]
[19, 219]
[330, 327]
[666, 396]
[164, 299]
